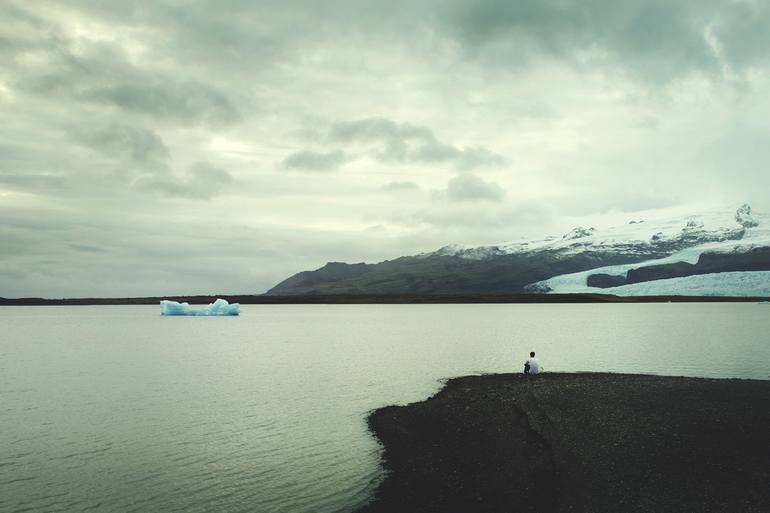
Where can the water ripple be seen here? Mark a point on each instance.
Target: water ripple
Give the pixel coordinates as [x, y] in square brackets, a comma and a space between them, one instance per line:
[18, 480]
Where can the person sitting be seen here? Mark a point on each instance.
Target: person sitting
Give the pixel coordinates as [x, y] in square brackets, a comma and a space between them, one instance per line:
[532, 365]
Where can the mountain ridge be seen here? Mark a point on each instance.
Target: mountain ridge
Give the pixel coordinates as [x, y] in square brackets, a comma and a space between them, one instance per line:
[542, 266]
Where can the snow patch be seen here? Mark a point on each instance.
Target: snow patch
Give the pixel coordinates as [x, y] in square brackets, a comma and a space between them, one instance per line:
[744, 218]
[579, 233]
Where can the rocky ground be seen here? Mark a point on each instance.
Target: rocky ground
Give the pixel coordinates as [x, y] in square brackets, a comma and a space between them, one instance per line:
[578, 443]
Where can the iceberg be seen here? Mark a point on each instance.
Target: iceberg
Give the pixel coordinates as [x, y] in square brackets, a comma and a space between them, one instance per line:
[218, 307]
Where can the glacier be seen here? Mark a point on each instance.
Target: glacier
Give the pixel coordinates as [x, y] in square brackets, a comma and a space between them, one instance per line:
[219, 307]
[745, 283]
[685, 239]
[756, 234]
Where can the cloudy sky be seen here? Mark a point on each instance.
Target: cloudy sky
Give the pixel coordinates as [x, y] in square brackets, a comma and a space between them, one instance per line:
[169, 146]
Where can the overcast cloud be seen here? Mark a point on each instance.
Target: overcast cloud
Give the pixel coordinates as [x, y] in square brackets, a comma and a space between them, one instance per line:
[151, 148]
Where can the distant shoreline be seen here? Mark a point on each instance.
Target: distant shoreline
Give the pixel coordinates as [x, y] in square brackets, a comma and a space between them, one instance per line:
[381, 299]
[604, 443]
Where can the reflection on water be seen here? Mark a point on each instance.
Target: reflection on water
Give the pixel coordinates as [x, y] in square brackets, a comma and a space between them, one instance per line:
[119, 409]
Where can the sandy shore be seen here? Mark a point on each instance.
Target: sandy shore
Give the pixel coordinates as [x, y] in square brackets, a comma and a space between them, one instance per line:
[578, 443]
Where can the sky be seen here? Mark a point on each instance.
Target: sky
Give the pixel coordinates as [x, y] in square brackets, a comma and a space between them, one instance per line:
[189, 147]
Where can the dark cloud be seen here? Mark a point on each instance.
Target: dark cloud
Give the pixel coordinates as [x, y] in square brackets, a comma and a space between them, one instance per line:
[51, 63]
[37, 182]
[245, 38]
[20, 30]
[136, 145]
[400, 186]
[86, 248]
[314, 161]
[464, 159]
[183, 101]
[469, 187]
[741, 31]
[651, 40]
[377, 130]
[202, 181]
[404, 142]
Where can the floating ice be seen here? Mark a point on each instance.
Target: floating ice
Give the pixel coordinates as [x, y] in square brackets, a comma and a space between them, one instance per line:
[218, 307]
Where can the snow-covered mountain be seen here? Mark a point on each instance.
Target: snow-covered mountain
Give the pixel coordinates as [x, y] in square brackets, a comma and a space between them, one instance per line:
[721, 252]
[740, 235]
[724, 229]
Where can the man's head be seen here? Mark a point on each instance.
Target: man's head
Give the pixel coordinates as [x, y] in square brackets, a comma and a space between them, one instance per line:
[532, 354]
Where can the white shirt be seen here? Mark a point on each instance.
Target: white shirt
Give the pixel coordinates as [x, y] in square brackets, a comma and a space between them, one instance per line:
[534, 366]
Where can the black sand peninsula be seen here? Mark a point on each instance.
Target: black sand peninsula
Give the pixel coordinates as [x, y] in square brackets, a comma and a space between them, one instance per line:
[579, 443]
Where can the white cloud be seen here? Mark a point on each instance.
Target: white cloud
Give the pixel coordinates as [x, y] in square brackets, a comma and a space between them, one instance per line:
[469, 187]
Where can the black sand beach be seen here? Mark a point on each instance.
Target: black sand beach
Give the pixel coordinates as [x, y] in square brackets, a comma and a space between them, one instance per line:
[578, 443]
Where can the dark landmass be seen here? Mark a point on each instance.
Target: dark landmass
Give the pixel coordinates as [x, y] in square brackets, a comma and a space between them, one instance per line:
[497, 270]
[756, 259]
[380, 299]
[588, 443]
[451, 274]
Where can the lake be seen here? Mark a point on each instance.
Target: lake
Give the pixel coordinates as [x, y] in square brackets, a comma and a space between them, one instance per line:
[115, 408]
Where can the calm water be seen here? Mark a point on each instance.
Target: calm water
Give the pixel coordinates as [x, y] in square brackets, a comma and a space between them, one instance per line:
[119, 409]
